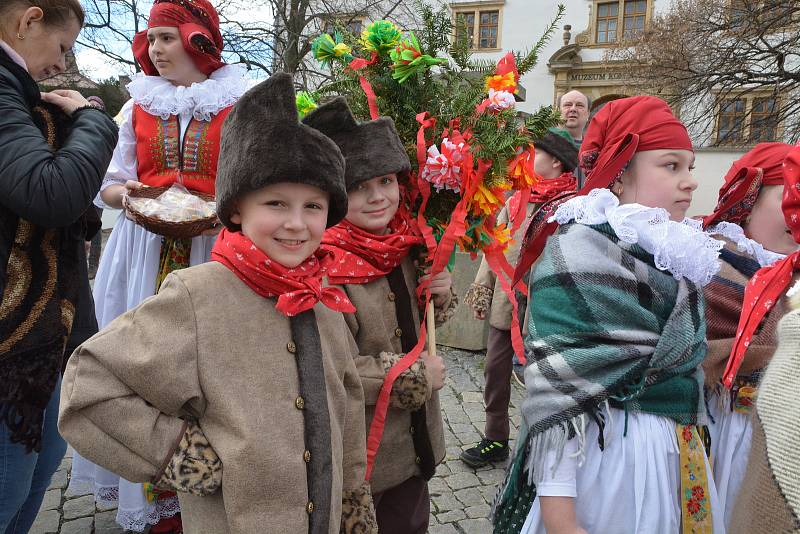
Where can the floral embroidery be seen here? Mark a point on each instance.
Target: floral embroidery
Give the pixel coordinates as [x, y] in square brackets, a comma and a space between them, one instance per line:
[695, 504]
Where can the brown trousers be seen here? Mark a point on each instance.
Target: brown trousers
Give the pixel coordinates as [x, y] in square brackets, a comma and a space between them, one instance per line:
[404, 509]
[497, 374]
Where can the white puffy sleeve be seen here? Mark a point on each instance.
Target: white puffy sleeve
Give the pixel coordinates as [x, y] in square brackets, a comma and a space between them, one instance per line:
[123, 163]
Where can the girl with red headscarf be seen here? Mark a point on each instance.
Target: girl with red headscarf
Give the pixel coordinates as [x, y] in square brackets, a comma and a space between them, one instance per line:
[170, 132]
[749, 218]
[610, 440]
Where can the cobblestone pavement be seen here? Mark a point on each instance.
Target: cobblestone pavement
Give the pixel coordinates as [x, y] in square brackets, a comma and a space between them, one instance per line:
[460, 495]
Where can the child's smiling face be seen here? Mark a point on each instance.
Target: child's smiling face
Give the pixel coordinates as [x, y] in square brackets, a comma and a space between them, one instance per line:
[285, 220]
[371, 205]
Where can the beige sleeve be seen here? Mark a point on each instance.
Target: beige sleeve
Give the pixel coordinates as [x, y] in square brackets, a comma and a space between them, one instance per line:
[354, 455]
[125, 388]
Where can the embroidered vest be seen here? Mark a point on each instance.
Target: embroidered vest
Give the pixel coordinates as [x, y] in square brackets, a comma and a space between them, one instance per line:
[162, 160]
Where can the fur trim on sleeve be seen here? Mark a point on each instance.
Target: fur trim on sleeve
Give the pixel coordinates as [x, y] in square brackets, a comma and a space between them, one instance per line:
[194, 466]
[479, 297]
[410, 390]
[442, 315]
[358, 511]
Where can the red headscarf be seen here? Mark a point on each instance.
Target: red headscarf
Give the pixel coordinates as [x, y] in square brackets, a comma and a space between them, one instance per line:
[769, 283]
[619, 130]
[198, 23]
[763, 165]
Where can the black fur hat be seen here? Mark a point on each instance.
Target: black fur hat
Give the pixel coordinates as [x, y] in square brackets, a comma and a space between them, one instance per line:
[263, 143]
[370, 149]
[558, 143]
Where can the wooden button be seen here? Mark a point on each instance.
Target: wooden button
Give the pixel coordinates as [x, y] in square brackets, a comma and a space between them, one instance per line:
[307, 456]
[398, 332]
[392, 296]
[300, 403]
[291, 347]
[310, 507]
[418, 460]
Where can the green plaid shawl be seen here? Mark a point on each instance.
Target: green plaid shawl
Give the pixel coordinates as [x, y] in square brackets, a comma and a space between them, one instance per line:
[605, 325]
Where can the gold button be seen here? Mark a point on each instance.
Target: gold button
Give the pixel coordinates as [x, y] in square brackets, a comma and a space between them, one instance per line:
[398, 332]
[418, 460]
[310, 507]
[392, 296]
[291, 347]
[300, 403]
[411, 430]
[307, 456]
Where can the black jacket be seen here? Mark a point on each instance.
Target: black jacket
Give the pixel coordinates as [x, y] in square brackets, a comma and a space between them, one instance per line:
[52, 189]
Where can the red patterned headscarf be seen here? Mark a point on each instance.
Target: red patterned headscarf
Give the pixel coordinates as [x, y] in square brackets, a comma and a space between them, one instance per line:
[198, 23]
[763, 165]
[619, 130]
[769, 283]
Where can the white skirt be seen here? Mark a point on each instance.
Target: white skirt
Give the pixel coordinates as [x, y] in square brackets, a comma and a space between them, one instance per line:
[125, 277]
[630, 487]
[731, 437]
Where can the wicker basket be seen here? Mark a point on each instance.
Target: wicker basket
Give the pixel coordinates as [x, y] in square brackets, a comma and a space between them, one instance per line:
[179, 230]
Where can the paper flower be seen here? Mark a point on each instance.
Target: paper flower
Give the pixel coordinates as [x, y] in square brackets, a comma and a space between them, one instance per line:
[408, 59]
[381, 37]
[520, 170]
[500, 100]
[326, 49]
[305, 104]
[486, 201]
[506, 75]
[443, 169]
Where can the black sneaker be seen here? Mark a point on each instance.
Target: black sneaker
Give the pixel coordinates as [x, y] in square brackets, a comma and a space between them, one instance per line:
[486, 451]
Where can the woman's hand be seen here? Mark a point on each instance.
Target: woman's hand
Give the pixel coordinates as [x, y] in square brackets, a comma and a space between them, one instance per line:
[439, 286]
[114, 195]
[67, 99]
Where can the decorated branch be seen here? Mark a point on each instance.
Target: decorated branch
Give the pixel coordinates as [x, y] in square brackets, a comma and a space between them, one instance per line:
[469, 146]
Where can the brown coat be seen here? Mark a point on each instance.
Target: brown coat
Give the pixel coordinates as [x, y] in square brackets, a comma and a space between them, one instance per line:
[377, 329]
[500, 308]
[769, 500]
[207, 348]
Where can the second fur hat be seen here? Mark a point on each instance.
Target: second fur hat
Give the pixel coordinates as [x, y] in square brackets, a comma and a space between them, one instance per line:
[370, 149]
[263, 143]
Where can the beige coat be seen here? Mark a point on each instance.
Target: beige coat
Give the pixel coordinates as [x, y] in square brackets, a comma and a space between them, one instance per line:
[375, 329]
[500, 309]
[210, 349]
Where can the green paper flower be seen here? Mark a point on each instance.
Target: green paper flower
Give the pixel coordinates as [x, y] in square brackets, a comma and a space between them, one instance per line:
[408, 59]
[326, 49]
[381, 37]
[305, 104]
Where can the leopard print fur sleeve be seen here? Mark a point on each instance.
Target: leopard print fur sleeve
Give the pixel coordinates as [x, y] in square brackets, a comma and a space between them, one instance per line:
[194, 466]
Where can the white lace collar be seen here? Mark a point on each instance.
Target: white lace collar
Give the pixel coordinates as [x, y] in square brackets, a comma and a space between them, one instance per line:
[158, 96]
[735, 233]
[682, 248]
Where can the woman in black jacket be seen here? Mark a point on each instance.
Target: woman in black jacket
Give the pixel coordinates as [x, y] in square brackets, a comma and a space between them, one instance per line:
[54, 150]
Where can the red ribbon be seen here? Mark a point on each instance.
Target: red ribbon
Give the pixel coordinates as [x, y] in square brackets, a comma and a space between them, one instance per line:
[358, 64]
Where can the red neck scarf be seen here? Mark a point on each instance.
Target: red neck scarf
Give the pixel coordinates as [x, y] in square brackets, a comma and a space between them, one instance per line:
[297, 289]
[545, 190]
[198, 23]
[361, 256]
[769, 283]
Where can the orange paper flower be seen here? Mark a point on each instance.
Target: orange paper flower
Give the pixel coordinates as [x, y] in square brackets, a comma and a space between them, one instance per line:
[501, 82]
[521, 171]
[486, 201]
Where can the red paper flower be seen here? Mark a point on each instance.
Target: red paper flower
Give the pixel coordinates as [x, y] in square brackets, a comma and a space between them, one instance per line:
[443, 168]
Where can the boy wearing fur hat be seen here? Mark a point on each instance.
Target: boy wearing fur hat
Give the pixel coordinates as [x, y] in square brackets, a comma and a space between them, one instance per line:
[555, 158]
[374, 249]
[244, 365]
